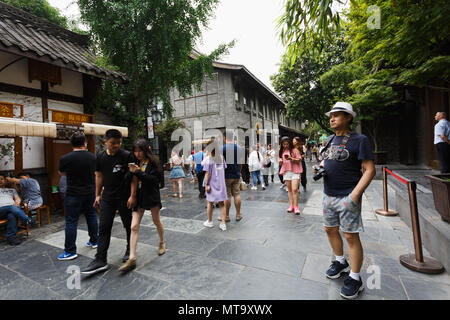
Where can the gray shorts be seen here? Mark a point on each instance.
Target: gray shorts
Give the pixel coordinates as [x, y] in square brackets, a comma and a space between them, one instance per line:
[342, 212]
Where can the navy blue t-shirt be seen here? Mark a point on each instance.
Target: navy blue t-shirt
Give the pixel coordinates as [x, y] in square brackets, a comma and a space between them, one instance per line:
[343, 176]
[236, 156]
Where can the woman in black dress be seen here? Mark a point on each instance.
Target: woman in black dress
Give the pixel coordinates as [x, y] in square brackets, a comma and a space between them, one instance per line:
[148, 174]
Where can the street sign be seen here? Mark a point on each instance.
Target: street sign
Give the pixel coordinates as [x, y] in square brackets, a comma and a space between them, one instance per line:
[150, 132]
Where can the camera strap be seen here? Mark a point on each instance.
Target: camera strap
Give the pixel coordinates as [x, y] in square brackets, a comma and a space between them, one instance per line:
[341, 146]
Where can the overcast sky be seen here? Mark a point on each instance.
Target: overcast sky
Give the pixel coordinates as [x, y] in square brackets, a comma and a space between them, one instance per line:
[250, 22]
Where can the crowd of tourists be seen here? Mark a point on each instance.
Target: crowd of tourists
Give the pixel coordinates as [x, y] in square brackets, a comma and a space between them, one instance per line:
[128, 183]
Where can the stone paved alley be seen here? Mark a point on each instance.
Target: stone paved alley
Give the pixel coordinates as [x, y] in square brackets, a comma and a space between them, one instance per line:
[270, 254]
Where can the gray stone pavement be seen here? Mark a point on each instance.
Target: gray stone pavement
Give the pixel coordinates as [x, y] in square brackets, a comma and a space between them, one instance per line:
[270, 254]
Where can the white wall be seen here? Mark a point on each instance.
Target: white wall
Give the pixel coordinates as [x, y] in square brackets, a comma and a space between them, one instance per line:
[17, 73]
[72, 83]
[64, 106]
[32, 147]
[5, 162]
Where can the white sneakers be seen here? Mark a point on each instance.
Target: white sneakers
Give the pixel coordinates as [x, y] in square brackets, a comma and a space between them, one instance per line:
[208, 224]
[254, 188]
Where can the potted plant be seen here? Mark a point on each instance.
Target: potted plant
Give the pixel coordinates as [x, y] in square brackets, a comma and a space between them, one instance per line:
[440, 185]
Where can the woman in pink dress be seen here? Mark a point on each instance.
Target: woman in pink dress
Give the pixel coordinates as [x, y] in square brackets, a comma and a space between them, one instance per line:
[215, 187]
[291, 169]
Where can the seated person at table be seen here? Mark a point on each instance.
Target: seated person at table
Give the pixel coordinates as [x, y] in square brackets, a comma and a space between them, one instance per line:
[30, 190]
[10, 209]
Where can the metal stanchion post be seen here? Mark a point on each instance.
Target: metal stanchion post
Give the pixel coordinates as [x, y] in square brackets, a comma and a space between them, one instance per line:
[418, 262]
[385, 211]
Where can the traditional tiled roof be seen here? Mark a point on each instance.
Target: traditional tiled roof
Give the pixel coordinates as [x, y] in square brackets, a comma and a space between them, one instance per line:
[243, 69]
[27, 35]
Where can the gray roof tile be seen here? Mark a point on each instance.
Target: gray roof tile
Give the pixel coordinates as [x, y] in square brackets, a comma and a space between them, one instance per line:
[34, 36]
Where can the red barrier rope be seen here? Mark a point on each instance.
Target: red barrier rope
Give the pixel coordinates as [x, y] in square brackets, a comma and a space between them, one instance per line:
[396, 176]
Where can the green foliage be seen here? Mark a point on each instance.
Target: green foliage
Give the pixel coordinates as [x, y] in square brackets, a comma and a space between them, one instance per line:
[40, 8]
[300, 84]
[428, 71]
[151, 42]
[373, 101]
[166, 128]
[338, 79]
[411, 32]
[307, 25]
[411, 47]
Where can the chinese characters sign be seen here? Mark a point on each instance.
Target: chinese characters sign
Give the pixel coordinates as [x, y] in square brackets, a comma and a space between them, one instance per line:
[70, 118]
[8, 110]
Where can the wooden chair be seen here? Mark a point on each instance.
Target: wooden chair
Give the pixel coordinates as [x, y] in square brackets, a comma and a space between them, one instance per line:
[42, 209]
[20, 229]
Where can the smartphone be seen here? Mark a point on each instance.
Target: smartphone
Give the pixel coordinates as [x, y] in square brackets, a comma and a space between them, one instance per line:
[286, 156]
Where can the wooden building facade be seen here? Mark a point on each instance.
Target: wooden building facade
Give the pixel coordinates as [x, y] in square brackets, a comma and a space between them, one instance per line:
[48, 80]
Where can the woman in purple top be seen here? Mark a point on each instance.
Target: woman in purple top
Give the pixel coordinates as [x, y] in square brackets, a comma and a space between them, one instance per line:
[215, 187]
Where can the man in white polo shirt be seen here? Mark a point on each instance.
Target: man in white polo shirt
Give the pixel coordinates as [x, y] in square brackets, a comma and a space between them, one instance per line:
[441, 140]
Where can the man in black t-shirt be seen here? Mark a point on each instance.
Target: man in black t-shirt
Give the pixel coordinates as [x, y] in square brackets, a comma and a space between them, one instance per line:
[345, 155]
[233, 175]
[78, 166]
[118, 194]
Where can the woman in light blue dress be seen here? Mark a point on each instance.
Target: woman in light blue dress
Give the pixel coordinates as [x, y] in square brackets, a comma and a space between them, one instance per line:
[177, 173]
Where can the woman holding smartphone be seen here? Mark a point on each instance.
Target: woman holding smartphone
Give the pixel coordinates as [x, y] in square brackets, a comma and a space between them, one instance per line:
[148, 175]
[291, 169]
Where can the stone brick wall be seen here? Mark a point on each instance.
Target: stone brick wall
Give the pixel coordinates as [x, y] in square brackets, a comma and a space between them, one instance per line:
[215, 106]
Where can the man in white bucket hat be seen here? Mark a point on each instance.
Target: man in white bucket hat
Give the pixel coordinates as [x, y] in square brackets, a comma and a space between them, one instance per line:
[345, 155]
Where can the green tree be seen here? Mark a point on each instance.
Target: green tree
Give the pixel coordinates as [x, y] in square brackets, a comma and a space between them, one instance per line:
[40, 8]
[413, 36]
[307, 25]
[300, 84]
[151, 42]
[166, 128]
[374, 100]
[411, 47]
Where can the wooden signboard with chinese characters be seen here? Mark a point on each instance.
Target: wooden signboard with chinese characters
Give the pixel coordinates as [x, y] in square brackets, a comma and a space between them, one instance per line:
[7, 109]
[70, 117]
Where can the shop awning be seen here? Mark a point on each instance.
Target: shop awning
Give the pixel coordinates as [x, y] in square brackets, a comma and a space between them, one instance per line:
[18, 128]
[201, 141]
[100, 129]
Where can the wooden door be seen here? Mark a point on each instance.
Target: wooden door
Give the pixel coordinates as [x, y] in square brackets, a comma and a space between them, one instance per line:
[57, 149]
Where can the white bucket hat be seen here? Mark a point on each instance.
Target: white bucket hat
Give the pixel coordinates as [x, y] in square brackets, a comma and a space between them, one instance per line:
[342, 106]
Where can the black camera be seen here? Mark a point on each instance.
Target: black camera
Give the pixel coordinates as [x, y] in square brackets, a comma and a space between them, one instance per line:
[319, 174]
